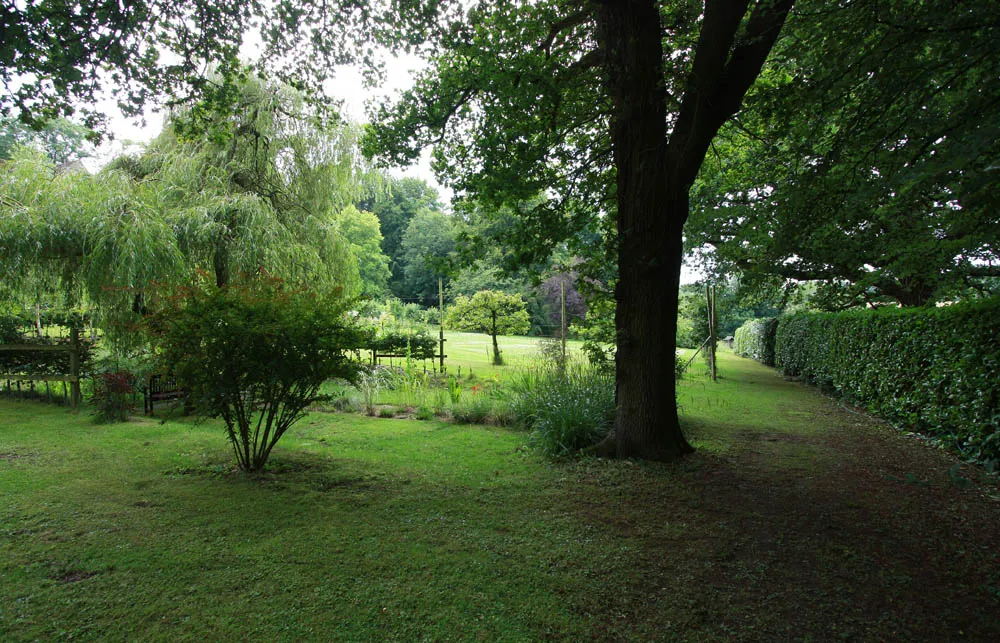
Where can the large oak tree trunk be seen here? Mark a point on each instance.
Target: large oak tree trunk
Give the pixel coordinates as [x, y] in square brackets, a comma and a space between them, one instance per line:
[650, 218]
[654, 177]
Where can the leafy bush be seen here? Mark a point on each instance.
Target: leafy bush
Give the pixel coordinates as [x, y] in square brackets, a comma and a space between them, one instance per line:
[254, 353]
[114, 395]
[755, 339]
[680, 365]
[412, 312]
[476, 408]
[566, 412]
[116, 382]
[597, 331]
[550, 350]
[933, 370]
[370, 382]
[454, 389]
[10, 329]
[395, 341]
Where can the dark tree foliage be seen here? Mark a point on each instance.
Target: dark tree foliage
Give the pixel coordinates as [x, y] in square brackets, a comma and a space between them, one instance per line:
[553, 290]
[57, 57]
[395, 208]
[426, 250]
[866, 158]
[607, 108]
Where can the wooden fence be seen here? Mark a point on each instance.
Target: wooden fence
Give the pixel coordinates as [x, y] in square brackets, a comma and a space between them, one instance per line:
[72, 378]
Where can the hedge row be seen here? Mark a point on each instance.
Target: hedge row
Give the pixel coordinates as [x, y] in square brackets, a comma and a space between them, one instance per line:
[935, 371]
[418, 345]
[755, 339]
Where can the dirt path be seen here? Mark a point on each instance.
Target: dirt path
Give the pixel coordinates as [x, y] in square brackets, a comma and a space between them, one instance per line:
[801, 519]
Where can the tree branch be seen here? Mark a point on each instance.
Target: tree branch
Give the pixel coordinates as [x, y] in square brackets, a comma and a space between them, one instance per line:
[748, 57]
[560, 26]
[719, 81]
[983, 271]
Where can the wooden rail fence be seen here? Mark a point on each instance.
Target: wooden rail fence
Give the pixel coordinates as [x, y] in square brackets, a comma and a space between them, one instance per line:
[72, 378]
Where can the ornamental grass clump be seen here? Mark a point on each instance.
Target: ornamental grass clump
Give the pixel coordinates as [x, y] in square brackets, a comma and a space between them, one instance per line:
[254, 353]
[566, 411]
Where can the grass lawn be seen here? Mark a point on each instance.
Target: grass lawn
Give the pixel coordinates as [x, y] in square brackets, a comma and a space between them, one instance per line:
[472, 352]
[798, 518]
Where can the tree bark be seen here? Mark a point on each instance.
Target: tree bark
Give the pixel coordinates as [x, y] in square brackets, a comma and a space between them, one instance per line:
[497, 360]
[220, 264]
[654, 177]
[650, 217]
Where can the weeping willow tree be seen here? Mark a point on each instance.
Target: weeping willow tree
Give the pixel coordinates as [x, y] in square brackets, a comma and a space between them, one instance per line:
[86, 239]
[258, 188]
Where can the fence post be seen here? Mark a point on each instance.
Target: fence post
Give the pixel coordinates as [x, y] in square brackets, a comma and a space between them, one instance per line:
[74, 366]
[710, 297]
[441, 322]
[562, 319]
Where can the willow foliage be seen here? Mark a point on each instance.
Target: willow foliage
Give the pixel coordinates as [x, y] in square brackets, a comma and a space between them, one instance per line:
[261, 188]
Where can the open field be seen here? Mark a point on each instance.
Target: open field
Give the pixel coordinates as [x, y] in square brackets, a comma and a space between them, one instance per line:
[798, 518]
[471, 352]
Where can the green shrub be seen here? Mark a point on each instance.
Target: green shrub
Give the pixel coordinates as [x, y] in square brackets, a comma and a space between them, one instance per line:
[254, 353]
[116, 385]
[476, 408]
[370, 381]
[755, 339]
[454, 389]
[415, 344]
[565, 412]
[114, 395]
[10, 328]
[550, 351]
[934, 371]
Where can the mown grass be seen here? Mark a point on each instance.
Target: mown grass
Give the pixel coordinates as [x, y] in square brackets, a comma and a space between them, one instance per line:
[362, 529]
[471, 353]
[793, 521]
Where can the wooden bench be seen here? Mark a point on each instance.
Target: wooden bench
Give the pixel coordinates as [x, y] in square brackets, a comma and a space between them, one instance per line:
[159, 388]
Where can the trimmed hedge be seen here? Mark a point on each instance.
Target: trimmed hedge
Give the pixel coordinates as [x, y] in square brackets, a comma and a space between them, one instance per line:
[755, 339]
[418, 344]
[935, 371]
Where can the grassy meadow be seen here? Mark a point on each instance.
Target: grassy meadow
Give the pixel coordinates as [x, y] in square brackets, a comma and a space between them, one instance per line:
[472, 353]
[798, 518]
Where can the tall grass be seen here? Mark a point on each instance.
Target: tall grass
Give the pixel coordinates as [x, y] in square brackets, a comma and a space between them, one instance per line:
[566, 410]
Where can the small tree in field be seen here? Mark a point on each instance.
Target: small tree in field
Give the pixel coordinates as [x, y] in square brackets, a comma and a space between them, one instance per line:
[254, 353]
[493, 312]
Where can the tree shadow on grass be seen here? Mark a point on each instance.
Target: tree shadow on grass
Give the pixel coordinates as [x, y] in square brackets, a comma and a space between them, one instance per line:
[738, 545]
